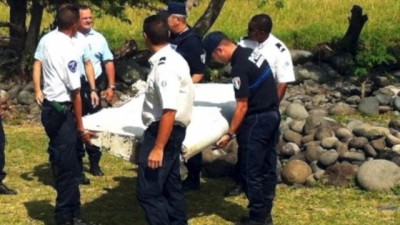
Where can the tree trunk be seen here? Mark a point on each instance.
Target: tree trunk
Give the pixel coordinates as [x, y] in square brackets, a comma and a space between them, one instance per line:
[357, 20]
[208, 18]
[18, 11]
[32, 35]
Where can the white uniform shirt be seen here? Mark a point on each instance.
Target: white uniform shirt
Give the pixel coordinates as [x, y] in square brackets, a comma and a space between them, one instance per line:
[169, 86]
[57, 53]
[101, 51]
[277, 55]
[84, 51]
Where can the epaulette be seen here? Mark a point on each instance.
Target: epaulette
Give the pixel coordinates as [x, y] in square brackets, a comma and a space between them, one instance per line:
[162, 61]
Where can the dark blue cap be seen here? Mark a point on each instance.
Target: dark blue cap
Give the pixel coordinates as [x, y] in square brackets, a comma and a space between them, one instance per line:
[177, 8]
[211, 42]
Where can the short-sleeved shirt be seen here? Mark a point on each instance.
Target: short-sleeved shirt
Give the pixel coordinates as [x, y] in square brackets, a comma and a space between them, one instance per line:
[277, 55]
[188, 44]
[59, 58]
[169, 86]
[83, 48]
[100, 51]
[252, 78]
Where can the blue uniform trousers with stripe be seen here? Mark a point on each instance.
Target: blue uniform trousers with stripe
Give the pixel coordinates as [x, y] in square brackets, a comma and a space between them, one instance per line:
[257, 138]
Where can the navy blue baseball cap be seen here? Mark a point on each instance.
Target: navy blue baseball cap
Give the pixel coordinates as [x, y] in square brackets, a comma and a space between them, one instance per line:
[177, 8]
[211, 42]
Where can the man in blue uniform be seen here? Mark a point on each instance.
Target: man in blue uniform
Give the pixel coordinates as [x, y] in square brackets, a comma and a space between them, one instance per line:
[101, 56]
[187, 43]
[255, 122]
[57, 57]
[167, 110]
[278, 57]
[4, 190]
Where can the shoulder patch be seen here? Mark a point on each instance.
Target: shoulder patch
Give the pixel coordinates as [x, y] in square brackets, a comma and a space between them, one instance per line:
[280, 47]
[236, 83]
[72, 65]
[162, 61]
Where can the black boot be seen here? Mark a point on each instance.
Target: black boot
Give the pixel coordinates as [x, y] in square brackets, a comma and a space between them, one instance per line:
[84, 180]
[234, 191]
[191, 183]
[4, 190]
[95, 170]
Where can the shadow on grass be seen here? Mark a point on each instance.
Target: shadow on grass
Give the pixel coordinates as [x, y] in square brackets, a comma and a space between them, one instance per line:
[42, 172]
[118, 205]
[210, 200]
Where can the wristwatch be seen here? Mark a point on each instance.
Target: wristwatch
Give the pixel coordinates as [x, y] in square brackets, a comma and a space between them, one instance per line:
[93, 90]
[231, 135]
[112, 87]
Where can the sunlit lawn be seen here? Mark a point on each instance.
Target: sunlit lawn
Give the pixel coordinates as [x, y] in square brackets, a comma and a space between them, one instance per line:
[111, 199]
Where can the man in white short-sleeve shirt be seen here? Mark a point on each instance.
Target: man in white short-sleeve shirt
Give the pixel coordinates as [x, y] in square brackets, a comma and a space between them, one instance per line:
[273, 49]
[57, 58]
[167, 110]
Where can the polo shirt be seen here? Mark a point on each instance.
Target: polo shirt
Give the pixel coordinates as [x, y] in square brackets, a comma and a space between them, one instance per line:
[252, 78]
[188, 44]
[277, 55]
[59, 58]
[84, 51]
[100, 51]
[169, 86]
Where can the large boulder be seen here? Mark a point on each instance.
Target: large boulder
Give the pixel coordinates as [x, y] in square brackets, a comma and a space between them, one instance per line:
[378, 175]
[296, 172]
[369, 106]
[296, 111]
[340, 174]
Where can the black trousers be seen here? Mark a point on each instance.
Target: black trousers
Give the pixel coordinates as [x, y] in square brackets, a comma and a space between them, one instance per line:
[159, 191]
[2, 151]
[60, 127]
[257, 138]
[93, 151]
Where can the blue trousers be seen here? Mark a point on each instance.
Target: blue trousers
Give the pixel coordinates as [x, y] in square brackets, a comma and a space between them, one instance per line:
[60, 127]
[93, 151]
[2, 151]
[257, 137]
[159, 191]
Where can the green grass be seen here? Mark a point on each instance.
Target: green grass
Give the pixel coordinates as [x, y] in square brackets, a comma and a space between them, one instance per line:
[111, 199]
[299, 23]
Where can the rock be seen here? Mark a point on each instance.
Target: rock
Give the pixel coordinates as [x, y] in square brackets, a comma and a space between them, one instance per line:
[13, 92]
[340, 174]
[396, 149]
[378, 175]
[291, 136]
[313, 152]
[297, 125]
[307, 138]
[381, 81]
[396, 103]
[371, 132]
[353, 100]
[353, 156]
[358, 142]
[394, 124]
[296, 111]
[379, 144]
[4, 96]
[315, 167]
[384, 96]
[369, 150]
[329, 142]
[129, 71]
[341, 109]
[300, 56]
[323, 132]
[296, 172]
[342, 148]
[328, 158]
[309, 71]
[353, 124]
[318, 112]
[369, 106]
[26, 98]
[319, 99]
[290, 149]
[312, 123]
[343, 134]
